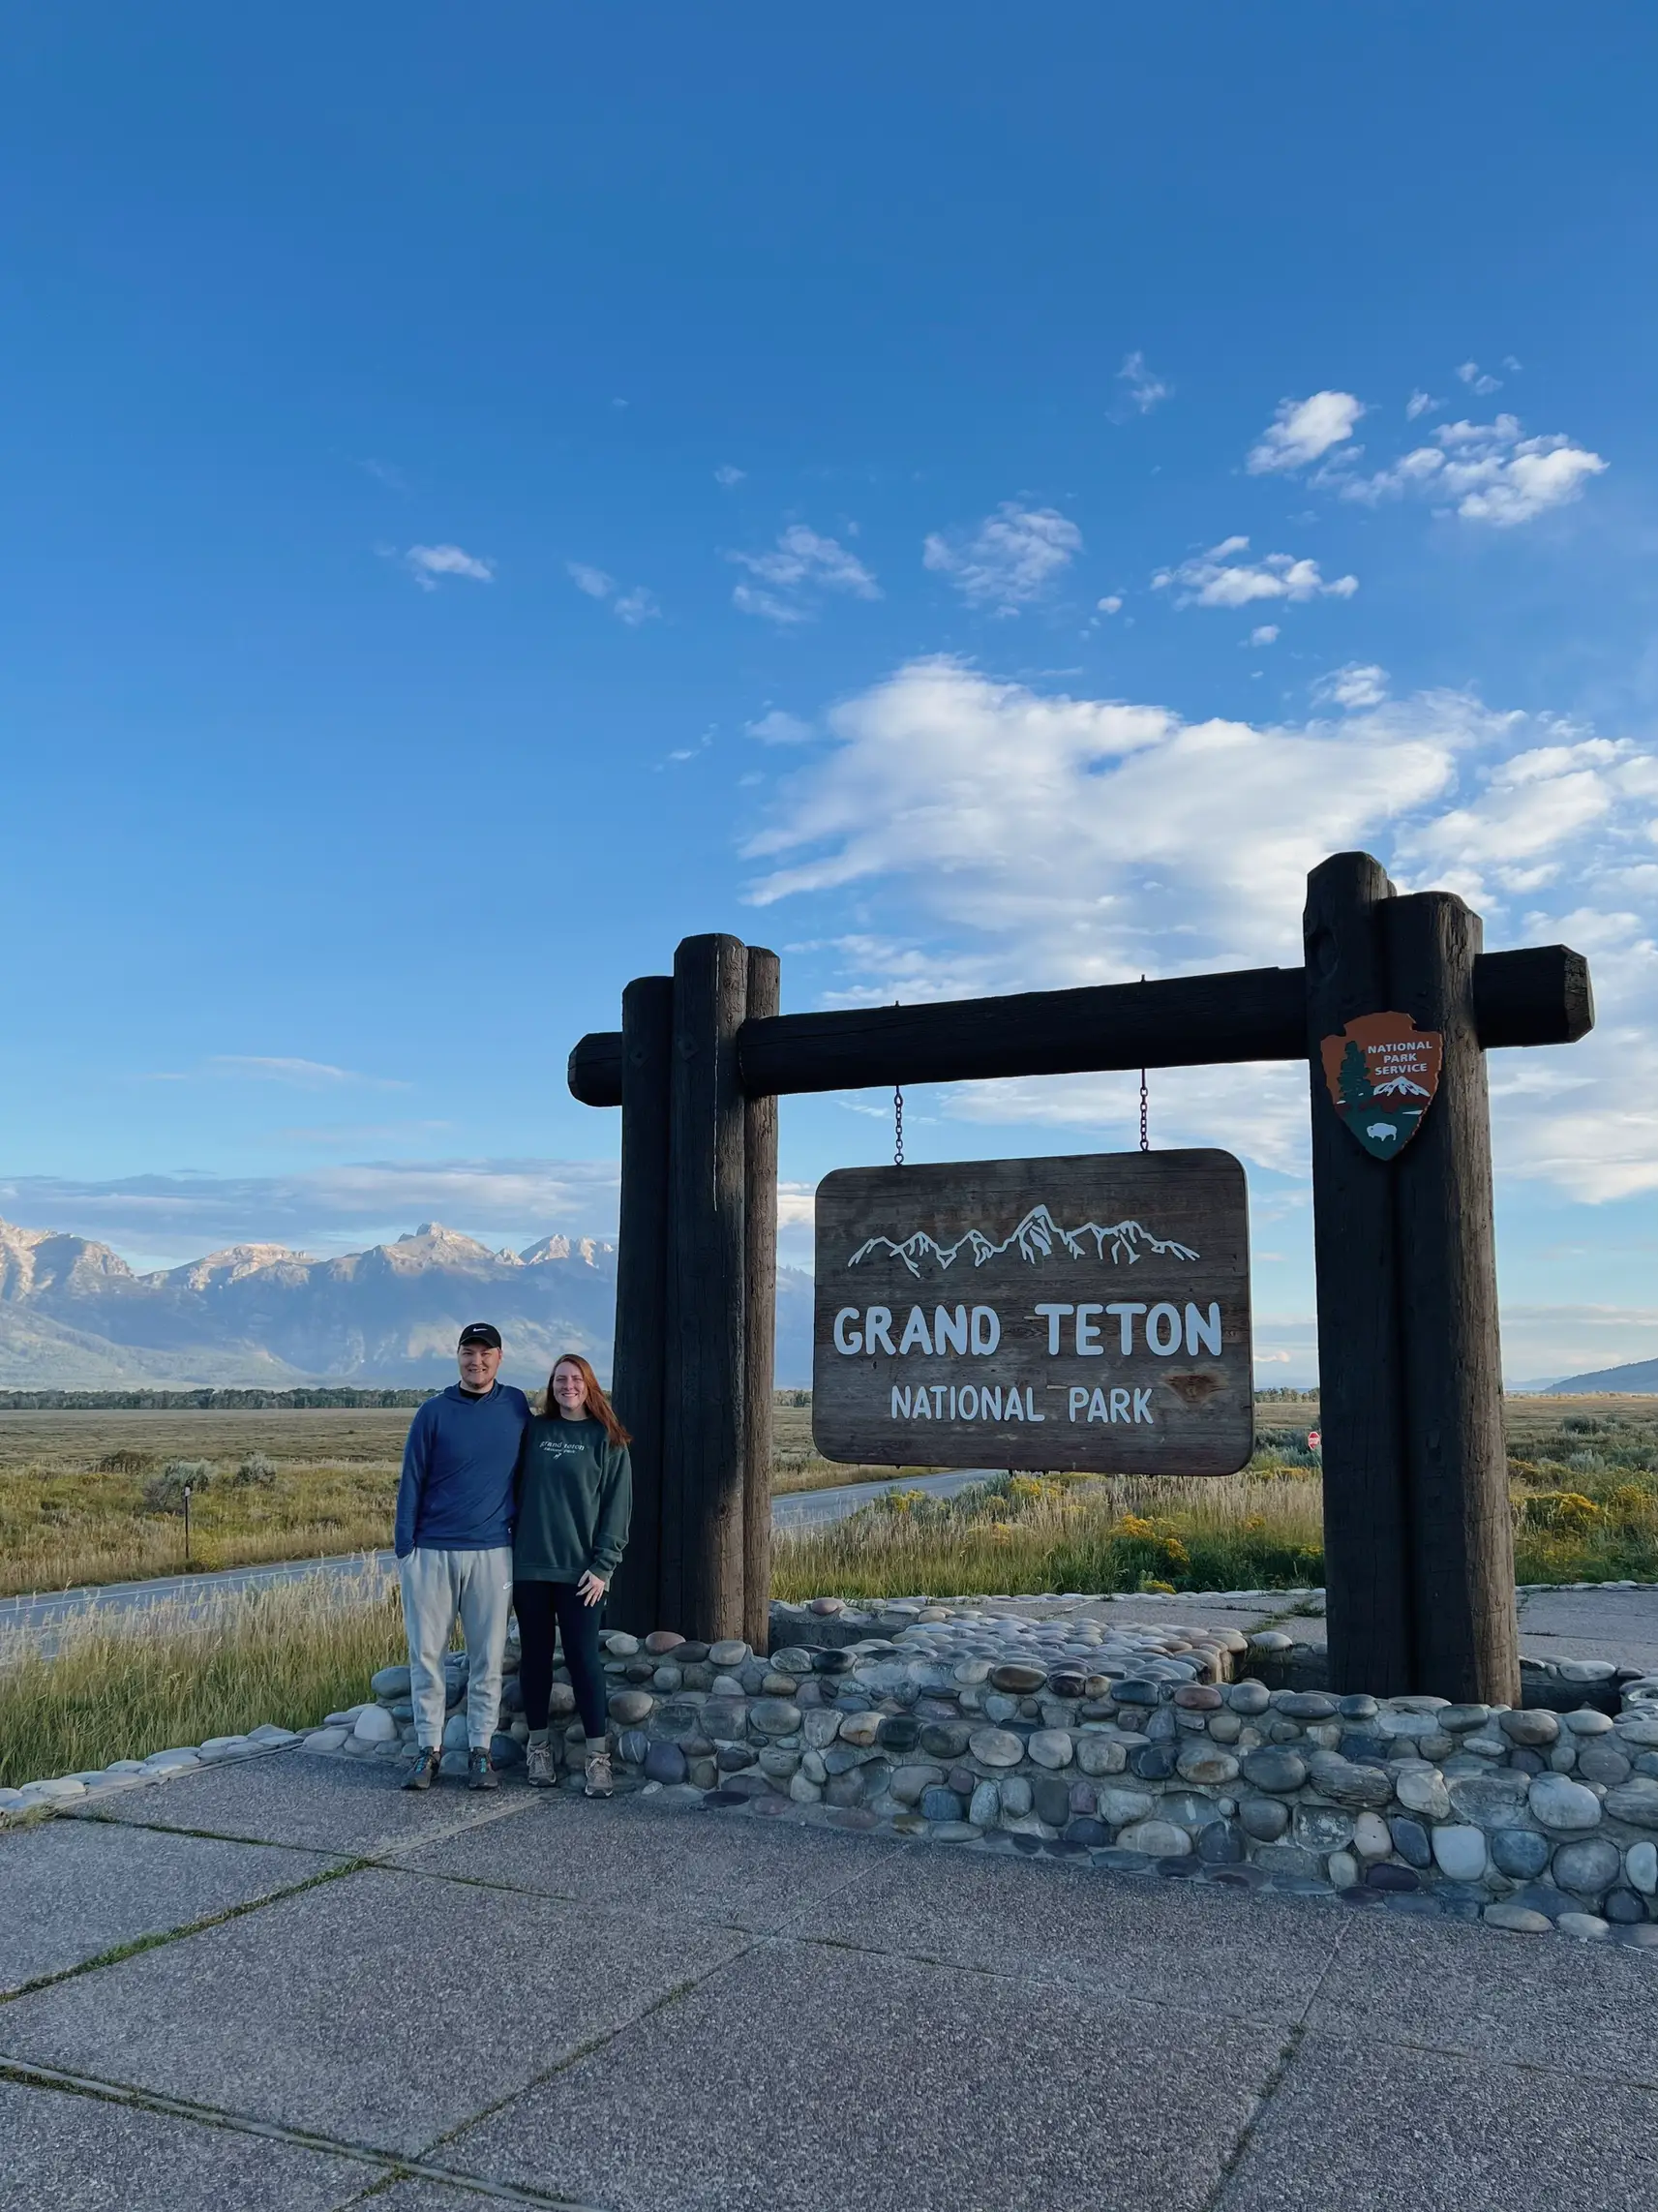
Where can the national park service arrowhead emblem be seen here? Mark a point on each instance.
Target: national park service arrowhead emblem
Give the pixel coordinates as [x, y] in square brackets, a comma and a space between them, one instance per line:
[1382, 1072]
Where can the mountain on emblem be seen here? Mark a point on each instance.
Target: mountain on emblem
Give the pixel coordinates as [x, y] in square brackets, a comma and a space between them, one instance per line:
[1382, 1072]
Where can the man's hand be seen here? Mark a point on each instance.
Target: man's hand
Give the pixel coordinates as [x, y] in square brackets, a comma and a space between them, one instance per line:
[589, 1590]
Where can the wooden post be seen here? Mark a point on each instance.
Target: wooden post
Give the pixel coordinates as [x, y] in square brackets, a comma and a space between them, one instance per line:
[702, 1468]
[642, 1290]
[1465, 1632]
[1367, 1530]
[760, 1175]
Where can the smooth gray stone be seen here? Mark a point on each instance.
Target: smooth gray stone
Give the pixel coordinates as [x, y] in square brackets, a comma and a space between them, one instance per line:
[74, 1890]
[1265, 1819]
[624, 2127]
[316, 1805]
[85, 2154]
[1519, 1853]
[1372, 2129]
[318, 2011]
[1588, 1867]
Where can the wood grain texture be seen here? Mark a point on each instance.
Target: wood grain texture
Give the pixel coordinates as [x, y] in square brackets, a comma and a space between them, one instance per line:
[1466, 1626]
[1367, 1528]
[1538, 995]
[642, 1290]
[760, 1301]
[1181, 1405]
[702, 1527]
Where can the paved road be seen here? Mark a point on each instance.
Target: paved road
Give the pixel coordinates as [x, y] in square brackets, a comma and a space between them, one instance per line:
[39, 1615]
[670, 2009]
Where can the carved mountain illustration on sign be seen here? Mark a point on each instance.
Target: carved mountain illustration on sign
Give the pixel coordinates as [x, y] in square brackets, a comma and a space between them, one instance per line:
[1382, 1072]
[1037, 1238]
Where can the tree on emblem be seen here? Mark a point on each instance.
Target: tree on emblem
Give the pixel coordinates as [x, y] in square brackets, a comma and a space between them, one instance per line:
[1355, 1077]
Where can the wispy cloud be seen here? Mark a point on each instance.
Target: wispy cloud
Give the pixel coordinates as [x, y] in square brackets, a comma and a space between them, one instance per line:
[632, 607]
[1130, 840]
[323, 1209]
[1420, 403]
[1141, 388]
[1218, 578]
[427, 565]
[274, 1068]
[1303, 431]
[776, 728]
[384, 473]
[795, 574]
[1265, 633]
[1360, 683]
[1487, 473]
[1478, 379]
[727, 476]
[1009, 561]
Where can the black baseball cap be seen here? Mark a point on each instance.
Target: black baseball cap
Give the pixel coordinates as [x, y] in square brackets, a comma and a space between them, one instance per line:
[481, 1332]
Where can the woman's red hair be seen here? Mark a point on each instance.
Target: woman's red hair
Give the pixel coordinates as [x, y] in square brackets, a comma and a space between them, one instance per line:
[599, 1407]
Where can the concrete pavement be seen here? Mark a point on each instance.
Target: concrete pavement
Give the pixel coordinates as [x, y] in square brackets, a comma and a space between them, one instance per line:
[348, 1995]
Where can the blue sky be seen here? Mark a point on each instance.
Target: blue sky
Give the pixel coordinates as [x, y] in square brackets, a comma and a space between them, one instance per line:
[973, 498]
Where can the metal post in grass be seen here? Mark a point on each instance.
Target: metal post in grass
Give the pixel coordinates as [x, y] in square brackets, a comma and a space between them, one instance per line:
[186, 1524]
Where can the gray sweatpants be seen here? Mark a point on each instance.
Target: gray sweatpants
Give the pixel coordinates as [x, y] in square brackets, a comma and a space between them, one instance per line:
[436, 1586]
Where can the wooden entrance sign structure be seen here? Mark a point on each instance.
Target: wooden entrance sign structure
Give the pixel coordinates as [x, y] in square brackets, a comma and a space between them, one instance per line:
[1418, 1542]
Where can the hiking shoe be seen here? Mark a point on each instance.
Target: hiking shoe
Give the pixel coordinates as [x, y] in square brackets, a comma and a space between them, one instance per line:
[599, 1781]
[424, 1772]
[480, 1775]
[538, 1765]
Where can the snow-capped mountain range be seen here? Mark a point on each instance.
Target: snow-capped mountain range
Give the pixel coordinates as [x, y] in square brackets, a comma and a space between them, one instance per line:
[74, 1316]
[1038, 1237]
[1401, 1086]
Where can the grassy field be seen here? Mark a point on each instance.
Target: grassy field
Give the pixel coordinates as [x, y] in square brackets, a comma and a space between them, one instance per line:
[85, 1497]
[89, 1497]
[1584, 1492]
[158, 1679]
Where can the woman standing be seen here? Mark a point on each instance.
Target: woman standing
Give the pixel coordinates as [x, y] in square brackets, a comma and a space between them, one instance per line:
[575, 1490]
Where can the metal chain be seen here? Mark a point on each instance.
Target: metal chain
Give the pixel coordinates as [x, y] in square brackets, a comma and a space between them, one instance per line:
[1145, 1136]
[897, 1117]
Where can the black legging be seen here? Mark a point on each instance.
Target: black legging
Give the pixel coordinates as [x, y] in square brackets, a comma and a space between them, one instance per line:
[537, 1605]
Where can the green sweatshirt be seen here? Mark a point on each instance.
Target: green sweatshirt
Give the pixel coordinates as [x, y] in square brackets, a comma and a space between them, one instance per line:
[575, 1493]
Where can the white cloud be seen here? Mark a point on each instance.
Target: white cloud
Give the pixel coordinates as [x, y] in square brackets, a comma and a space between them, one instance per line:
[1142, 390]
[1218, 579]
[1487, 472]
[1477, 379]
[799, 568]
[274, 1068]
[1021, 841]
[1011, 559]
[1264, 633]
[1111, 605]
[776, 728]
[632, 607]
[1360, 683]
[727, 476]
[1303, 431]
[426, 564]
[1420, 403]
[325, 1209]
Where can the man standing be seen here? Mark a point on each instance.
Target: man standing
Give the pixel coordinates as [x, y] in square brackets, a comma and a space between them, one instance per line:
[454, 1548]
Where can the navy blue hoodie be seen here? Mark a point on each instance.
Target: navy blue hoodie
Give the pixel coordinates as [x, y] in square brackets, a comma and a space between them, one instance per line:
[455, 1492]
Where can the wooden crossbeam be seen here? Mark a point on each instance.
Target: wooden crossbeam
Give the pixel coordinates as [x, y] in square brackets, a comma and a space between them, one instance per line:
[1539, 995]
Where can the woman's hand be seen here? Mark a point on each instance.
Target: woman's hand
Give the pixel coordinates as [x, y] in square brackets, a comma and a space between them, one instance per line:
[589, 1590]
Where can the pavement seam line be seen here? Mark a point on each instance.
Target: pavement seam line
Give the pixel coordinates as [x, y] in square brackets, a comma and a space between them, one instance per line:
[1263, 2097]
[395, 2165]
[596, 2041]
[164, 1936]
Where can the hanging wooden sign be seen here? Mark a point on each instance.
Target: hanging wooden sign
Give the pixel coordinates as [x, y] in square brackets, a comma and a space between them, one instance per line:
[1382, 1072]
[1087, 1313]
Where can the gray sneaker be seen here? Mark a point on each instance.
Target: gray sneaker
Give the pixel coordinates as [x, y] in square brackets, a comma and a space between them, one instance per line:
[480, 1771]
[599, 1781]
[424, 1772]
[538, 1770]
